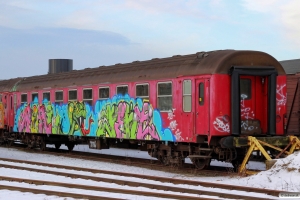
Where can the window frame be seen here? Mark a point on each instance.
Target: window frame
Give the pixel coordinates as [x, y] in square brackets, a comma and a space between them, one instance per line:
[87, 100]
[71, 90]
[103, 87]
[49, 96]
[34, 93]
[118, 86]
[157, 95]
[23, 102]
[186, 94]
[201, 93]
[59, 101]
[249, 95]
[142, 97]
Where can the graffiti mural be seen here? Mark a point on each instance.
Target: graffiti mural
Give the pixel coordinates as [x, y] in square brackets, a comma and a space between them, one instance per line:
[119, 117]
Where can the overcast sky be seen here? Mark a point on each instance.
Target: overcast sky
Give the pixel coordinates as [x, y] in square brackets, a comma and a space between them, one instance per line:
[106, 32]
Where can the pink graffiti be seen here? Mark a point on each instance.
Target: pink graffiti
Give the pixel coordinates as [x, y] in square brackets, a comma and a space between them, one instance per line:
[43, 126]
[145, 126]
[24, 120]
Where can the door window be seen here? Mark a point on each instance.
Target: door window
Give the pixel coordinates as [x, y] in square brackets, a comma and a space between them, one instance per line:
[201, 94]
[245, 89]
[187, 96]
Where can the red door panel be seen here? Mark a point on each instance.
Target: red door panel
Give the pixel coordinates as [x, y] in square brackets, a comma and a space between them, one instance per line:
[202, 106]
[253, 96]
[1, 115]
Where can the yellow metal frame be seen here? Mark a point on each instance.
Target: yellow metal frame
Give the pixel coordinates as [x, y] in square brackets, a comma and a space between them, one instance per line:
[256, 144]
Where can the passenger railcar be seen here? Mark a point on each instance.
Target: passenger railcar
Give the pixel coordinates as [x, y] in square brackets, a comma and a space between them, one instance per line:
[182, 106]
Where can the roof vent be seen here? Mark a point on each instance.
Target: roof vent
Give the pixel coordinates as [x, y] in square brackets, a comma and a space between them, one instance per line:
[202, 55]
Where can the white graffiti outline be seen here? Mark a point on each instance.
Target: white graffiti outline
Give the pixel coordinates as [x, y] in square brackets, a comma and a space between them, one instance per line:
[282, 98]
[247, 114]
[220, 125]
[173, 124]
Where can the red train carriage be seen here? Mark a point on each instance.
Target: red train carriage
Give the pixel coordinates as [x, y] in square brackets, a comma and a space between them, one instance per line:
[177, 107]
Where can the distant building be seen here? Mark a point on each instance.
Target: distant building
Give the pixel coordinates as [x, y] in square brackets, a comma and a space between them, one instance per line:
[291, 66]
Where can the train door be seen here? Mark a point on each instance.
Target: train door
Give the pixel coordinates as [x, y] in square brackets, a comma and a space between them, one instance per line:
[10, 110]
[253, 105]
[202, 106]
[4, 104]
[253, 100]
[1, 113]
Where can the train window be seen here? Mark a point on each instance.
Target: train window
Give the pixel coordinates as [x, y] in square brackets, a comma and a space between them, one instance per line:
[245, 88]
[35, 97]
[164, 96]
[88, 96]
[201, 94]
[142, 91]
[0, 98]
[103, 93]
[23, 98]
[187, 96]
[46, 96]
[59, 97]
[72, 95]
[122, 89]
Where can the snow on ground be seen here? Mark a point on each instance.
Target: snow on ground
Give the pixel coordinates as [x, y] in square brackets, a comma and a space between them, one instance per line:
[284, 175]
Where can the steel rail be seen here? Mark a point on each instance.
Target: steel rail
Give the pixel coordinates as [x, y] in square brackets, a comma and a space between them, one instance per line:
[139, 162]
[99, 188]
[54, 193]
[154, 178]
[153, 186]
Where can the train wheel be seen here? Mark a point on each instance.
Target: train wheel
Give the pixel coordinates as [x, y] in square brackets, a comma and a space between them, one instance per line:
[57, 146]
[9, 143]
[201, 163]
[164, 160]
[70, 146]
[43, 145]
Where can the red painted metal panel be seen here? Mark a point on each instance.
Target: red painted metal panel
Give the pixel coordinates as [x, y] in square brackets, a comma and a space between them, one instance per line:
[202, 105]
[1, 115]
[220, 105]
[10, 110]
[254, 106]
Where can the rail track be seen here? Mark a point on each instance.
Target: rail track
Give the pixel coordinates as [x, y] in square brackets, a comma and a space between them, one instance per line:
[187, 168]
[158, 186]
